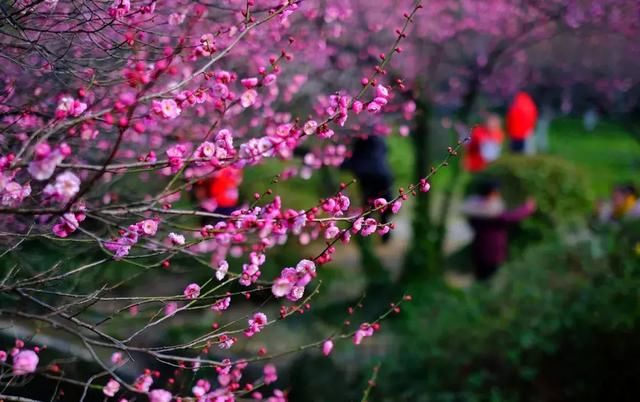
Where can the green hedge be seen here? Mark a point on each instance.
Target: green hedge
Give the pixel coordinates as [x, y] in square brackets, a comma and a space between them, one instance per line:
[560, 324]
[562, 191]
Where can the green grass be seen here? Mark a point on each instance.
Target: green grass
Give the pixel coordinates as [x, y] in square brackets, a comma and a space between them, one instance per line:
[608, 154]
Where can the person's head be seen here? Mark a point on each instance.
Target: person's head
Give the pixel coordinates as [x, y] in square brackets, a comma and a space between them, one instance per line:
[494, 122]
[488, 188]
[623, 193]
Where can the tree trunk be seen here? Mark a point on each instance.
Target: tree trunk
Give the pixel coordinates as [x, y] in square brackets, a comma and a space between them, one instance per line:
[423, 261]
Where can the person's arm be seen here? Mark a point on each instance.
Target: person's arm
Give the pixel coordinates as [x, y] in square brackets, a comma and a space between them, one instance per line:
[520, 213]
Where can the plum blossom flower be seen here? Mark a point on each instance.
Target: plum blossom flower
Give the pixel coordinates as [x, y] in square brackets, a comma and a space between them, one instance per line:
[374, 107]
[292, 282]
[220, 90]
[3, 356]
[221, 304]
[365, 330]
[70, 107]
[310, 127]
[325, 132]
[381, 99]
[119, 8]
[68, 223]
[269, 79]
[116, 358]
[278, 396]
[299, 222]
[331, 231]
[192, 291]
[339, 108]
[160, 395]
[226, 342]
[66, 186]
[176, 18]
[379, 203]
[176, 239]
[424, 185]
[369, 227]
[281, 287]
[395, 207]
[248, 98]
[207, 47]
[122, 245]
[270, 374]
[25, 362]
[201, 388]
[111, 388]
[357, 224]
[357, 107]
[327, 347]
[147, 227]
[206, 150]
[171, 308]
[143, 383]
[46, 160]
[176, 156]
[166, 108]
[256, 324]
[223, 268]
[13, 194]
[249, 83]
[250, 274]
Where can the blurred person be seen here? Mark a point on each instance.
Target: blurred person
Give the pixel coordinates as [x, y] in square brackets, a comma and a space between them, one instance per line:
[522, 117]
[485, 144]
[490, 220]
[624, 203]
[590, 119]
[368, 162]
[220, 192]
[541, 134]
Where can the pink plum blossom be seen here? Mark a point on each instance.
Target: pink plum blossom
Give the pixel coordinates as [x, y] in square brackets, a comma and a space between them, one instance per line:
[176, 239]
[111, 388]
[270, 374]
[25, 362]
[66, 186]
[256, 324]
[166, 108]
[248, 98]
[327, 347]
[223, 268]
[192, 291]
[221, 304]
[160, 395]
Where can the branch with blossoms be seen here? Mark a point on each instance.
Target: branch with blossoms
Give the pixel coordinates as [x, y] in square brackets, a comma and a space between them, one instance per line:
[80, 175]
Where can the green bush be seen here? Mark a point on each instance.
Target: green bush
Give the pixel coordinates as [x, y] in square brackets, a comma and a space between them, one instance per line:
[562, 192]
[559, 324]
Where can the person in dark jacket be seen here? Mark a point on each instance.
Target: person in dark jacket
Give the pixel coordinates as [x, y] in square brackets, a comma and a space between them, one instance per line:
[491, 221]
[369, 164]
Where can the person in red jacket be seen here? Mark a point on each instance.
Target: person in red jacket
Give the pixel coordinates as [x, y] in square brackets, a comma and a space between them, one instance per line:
[485, 144]
[521, 121]
[220, 192]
